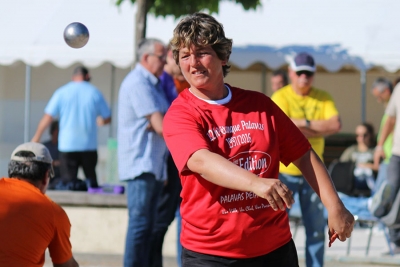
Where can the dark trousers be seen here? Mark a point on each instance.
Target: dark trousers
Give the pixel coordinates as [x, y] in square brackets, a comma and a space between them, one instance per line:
[166, 208]
[71, 161]
[285, 256]
[393, 179]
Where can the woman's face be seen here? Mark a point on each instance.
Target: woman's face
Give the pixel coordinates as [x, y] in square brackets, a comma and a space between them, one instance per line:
[201, 67]
[362, 135]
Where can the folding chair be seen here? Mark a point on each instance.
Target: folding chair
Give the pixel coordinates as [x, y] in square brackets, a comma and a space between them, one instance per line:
[342, 176]
[370, 222]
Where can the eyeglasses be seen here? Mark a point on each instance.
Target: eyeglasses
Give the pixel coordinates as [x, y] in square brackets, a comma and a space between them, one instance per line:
[305, 72]
[160, 57]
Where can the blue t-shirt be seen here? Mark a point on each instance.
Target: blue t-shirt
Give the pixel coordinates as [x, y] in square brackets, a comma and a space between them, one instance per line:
[140, 149]
[77, 105]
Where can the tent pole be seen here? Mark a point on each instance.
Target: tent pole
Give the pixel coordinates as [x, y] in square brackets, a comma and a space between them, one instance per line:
[28, 70]
[264, 79]
[112, 106]
[363, 81]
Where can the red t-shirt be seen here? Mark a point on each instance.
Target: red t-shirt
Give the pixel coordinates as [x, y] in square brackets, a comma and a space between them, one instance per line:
[30, 223]
[252, 132]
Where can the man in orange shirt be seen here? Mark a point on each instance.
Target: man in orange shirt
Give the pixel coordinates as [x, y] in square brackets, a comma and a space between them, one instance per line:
[30, 222]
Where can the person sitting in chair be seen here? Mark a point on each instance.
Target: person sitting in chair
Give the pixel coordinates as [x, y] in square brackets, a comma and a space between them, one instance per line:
[362, 154]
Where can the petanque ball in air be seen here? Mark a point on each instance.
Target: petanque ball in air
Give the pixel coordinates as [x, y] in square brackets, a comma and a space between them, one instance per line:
[76, 35]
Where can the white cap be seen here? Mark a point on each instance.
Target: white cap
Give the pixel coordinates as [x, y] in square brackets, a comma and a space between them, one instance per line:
[41, 154]
[303, 62]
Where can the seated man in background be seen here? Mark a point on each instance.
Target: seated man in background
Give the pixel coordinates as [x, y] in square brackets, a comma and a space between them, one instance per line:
[29, 221]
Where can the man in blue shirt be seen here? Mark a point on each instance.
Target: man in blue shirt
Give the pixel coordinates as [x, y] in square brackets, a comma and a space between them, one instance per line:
[142, 152]
[169, 201]
[80, 107]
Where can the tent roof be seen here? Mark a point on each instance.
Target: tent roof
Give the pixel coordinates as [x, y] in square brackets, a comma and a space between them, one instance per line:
[338, 33]
[34, 32]
[331, 57]
[364, 28]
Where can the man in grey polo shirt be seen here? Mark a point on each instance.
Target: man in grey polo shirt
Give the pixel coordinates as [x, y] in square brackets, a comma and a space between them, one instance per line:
[142, 151]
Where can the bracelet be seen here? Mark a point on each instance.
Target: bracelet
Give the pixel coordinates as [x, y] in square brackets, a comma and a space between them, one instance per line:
[308, 123]
[379, 148]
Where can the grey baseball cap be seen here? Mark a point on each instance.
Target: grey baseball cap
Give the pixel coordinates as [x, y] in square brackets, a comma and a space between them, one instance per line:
[41, 153]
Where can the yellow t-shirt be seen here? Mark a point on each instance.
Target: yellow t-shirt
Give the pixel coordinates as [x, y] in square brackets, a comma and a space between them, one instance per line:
[317, 105]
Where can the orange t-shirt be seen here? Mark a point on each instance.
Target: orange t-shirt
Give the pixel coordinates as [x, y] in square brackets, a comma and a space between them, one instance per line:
[30, 222]
[181, 85]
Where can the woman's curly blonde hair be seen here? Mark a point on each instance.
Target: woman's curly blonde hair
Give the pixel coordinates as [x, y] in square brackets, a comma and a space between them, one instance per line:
[201, 30]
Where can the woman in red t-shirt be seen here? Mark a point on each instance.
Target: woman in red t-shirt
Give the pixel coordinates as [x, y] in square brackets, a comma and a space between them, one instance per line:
[227, 144]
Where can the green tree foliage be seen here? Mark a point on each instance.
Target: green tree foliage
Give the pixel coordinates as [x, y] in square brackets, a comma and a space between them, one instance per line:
[178, 8]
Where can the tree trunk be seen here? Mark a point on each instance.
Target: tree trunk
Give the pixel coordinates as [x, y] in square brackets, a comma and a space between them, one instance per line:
[141, 21]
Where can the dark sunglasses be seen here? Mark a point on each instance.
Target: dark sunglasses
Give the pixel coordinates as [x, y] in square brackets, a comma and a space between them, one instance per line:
[305, 72]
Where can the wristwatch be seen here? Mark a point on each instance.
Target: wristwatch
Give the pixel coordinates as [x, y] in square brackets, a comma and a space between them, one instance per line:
[308, 123]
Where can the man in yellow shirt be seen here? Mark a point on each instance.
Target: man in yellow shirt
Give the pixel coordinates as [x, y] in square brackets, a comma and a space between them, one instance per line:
[315, 114]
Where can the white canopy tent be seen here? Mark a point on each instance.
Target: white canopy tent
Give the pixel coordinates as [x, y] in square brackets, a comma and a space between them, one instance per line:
[330, 57]
[364, 28]
[32, 30]
[341, 33]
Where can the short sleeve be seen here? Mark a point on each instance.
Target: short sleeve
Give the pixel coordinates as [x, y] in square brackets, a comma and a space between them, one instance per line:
[53, 106]
[391, 107]
[183, 134]
[330, 109]
[103, 109]
[144, 100]
[60, 247]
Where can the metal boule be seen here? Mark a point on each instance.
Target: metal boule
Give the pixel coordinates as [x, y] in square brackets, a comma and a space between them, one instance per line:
[76, 35]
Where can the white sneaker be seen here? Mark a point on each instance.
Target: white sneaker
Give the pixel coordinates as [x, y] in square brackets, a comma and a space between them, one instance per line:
[379, 205]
